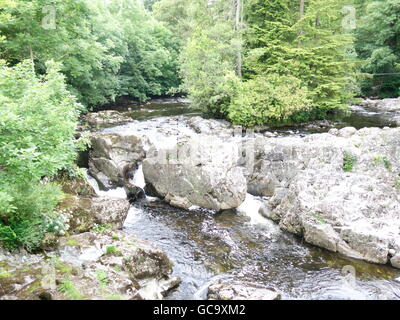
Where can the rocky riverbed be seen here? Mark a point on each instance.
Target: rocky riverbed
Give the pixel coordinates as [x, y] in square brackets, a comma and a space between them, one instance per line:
[221, 203]
[340, 189]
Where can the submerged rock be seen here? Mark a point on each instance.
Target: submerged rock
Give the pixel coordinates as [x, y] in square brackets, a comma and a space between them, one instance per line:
[133, 192]
[235, 290]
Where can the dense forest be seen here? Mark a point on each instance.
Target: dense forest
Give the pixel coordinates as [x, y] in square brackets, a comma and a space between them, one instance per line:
[252, 62]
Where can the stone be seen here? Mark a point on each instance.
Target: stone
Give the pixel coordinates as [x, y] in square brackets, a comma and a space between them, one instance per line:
[395, 261]
[353, 212]
[234, 290]
[383, 105]
[199, 172]
[133, 192]
[106, 118]
[347, 132]
[208, 126]
[321, 235]
[113, 157]
[87, 212]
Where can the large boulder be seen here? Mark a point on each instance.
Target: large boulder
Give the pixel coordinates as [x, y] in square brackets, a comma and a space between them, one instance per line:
[202, 171]
[114, 156]
[87, 212]
[340, 190]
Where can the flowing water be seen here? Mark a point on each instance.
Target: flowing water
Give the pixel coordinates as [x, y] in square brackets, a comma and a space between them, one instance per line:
[206, 246]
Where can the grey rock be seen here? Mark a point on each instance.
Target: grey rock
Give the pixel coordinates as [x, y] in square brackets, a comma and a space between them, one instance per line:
[321, 235]
[114, 156]
[199, 172]
[395, 261]
[86, 212]
[357, 210]
[347, 132]
[106, 118]
[384, 105]
[234, 290]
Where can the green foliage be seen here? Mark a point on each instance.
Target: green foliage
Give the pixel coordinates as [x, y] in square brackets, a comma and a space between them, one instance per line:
[38, 118]
[63, 268]
[102, 277]
[69, 290]
[115, 237]
[348, 162]
[4, 273]
[113, 251]
[106, 50]
[101, 228]
[72, 242]
[312, 48]
[318, 218]
[397, 185]
[377, 44]
[207, 67]
[268, 99]
[381, 159]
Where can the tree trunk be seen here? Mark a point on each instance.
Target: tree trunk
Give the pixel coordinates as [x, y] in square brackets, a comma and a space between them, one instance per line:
[32, 59]
[238, 27]
[302, 8]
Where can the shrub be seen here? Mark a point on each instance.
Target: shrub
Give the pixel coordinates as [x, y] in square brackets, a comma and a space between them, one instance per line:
[348, 162]
[113, 251]
[38, 118]
[397, 184]
[268, 99]
[69, 290]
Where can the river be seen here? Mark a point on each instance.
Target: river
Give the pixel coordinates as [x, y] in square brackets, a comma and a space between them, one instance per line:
[240, 244]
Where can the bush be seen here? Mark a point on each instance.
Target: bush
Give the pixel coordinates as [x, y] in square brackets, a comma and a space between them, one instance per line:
[38, 118]
[348, 162]
[268, 99]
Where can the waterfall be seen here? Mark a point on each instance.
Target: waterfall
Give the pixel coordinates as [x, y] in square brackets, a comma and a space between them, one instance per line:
[138, 178]
[111, 193]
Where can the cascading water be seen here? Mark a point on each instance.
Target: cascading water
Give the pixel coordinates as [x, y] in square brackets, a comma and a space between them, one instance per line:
[241, 244]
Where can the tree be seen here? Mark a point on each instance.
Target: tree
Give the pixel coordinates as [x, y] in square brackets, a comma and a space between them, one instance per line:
[312, 48]
[208, 69]
[377, 44]
[149, 66]
[106, 50]
[210, 56]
